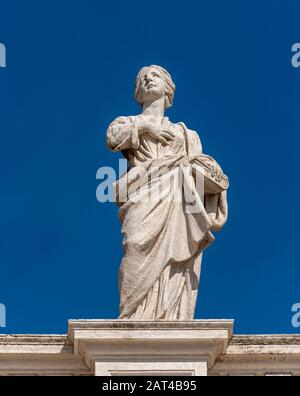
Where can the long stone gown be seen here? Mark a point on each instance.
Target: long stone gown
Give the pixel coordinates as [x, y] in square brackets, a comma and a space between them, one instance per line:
[163, 240]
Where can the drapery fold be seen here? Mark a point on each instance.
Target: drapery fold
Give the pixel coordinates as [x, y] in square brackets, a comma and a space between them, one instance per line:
[163, 235]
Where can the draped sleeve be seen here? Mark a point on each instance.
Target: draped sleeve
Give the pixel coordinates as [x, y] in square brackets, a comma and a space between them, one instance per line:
[215, 204]
[195, 146]
[122, 134]
[193, 143]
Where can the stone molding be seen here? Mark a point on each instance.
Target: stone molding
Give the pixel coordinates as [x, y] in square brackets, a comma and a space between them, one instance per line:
[114, 347]
[165, 347]
[39, 355]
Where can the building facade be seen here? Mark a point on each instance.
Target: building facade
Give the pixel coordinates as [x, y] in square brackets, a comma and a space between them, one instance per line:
[121, 347]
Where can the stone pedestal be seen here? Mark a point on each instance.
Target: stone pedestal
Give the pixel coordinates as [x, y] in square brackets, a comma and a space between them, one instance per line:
[124, 347]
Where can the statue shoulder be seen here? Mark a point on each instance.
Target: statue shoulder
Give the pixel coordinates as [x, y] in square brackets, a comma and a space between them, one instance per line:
[191, 132]
[123, 119]
[193, 137]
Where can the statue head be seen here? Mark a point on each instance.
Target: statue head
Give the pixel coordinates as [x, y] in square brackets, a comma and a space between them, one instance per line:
[153, 82]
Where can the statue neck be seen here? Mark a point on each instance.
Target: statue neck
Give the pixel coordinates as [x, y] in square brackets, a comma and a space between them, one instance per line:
[155, 108]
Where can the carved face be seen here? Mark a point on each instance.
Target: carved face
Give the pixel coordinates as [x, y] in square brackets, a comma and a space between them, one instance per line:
[152, 85]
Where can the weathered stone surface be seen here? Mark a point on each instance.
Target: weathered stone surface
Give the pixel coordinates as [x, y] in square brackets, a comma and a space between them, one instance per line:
[121, 347]
[39, 355]
[260, 355]
[165, 347]
[170, 200]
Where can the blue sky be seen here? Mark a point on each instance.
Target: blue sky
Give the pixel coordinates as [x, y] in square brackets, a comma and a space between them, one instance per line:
[70, 71]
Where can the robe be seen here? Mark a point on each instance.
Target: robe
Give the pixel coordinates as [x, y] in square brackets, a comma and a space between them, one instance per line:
[166, 220]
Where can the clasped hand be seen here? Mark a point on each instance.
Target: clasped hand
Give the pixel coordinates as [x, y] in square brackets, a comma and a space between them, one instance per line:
[155, 130]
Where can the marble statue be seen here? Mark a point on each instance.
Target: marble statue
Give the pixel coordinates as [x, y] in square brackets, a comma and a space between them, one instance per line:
[162, 240]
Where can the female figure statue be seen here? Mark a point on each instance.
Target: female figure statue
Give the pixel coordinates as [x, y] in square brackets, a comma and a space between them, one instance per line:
[163, 239]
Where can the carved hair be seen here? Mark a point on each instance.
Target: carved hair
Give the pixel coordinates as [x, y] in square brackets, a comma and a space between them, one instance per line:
[170, 86]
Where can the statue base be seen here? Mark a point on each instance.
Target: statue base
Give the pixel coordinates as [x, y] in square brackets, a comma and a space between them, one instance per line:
[126, 347]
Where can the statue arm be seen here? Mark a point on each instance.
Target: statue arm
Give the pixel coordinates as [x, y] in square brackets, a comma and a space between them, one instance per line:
[122, 134]
[196, 146]
[215, 204]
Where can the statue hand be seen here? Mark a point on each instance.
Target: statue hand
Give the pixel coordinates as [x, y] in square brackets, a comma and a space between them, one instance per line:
[162, 135]
[154, 130]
